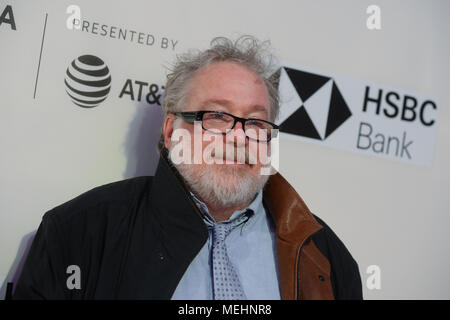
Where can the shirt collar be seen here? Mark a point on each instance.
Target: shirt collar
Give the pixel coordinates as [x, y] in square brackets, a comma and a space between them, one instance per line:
[255, 206]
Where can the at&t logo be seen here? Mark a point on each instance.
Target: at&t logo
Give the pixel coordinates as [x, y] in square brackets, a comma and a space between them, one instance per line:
[87, 81]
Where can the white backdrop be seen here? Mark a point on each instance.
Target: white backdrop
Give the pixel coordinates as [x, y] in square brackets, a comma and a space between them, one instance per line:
[390, 214]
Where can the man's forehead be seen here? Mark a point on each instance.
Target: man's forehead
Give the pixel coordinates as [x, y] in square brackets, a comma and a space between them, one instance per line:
[230, 104]
[229, 85]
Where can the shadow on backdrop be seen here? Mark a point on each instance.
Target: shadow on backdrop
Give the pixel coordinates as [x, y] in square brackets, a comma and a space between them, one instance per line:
[142, 140]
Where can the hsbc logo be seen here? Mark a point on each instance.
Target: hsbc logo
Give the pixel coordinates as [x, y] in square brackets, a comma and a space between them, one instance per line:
[355, 115]
[321, 108]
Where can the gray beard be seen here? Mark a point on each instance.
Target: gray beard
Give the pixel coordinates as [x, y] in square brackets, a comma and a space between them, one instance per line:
[221, 185]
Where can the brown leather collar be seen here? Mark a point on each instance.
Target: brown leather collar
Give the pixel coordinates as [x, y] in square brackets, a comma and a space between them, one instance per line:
[292, 217]
[294, 224]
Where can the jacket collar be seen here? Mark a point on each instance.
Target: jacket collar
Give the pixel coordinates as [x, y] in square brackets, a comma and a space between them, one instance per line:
[293, 220]
[174, 207]
[294, 225]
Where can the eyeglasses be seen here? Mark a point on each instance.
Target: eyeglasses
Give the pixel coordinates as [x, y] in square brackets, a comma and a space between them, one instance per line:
[222, 123]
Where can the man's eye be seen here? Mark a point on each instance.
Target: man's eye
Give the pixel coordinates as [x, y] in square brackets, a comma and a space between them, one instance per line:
[217, 116]
[256, 123]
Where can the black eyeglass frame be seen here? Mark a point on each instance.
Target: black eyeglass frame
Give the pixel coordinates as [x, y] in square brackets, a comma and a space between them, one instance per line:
[191, 116]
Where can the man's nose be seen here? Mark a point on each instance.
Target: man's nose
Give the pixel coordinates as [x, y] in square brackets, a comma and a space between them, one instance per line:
[237, 135]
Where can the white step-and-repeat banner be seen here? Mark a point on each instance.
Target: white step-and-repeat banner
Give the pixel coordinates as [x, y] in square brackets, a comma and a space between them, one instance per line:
[364, 116]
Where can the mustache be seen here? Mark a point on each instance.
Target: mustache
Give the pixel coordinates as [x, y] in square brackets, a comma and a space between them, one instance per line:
[238, 155]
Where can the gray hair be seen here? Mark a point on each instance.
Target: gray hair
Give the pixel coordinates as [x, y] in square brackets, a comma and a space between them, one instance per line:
[246, 51]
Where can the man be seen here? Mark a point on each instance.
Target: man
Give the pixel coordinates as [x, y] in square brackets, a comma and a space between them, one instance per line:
[211, 229]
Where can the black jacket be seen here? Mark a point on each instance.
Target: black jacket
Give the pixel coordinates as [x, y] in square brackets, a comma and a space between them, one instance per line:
[134, 239]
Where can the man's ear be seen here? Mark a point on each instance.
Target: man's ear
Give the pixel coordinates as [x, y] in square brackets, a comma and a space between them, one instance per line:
[168, 130]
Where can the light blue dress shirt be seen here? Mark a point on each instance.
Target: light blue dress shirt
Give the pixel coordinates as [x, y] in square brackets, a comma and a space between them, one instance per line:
[252, 251]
